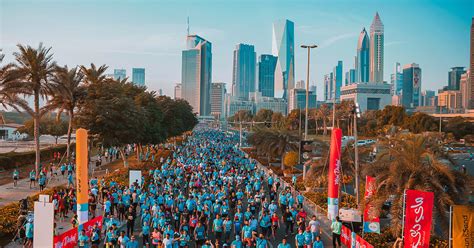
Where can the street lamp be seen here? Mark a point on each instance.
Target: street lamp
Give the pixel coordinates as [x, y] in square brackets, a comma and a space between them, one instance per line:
[356, 112]
[308, 47]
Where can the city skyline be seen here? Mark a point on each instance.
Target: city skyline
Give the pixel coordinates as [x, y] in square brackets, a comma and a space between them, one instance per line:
[158, 41]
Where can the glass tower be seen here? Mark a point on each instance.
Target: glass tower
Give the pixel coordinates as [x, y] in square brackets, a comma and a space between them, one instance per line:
[138, 76]
[454, 77]
[283, 47]
[411, 92]
[337, 72]
[196, 74]
[243, 76]
[266, 74]
[120, 74]
[362, 59]
[376, 50]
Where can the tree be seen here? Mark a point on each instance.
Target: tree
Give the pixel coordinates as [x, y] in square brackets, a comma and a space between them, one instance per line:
[273, 142]
[412, 164]
[111, 115]
[31, 76]
[291, 159]
[420, 122]
[94, 75]
[263, 115]
[293, 119]
[68, 92]
[178, 116]
[48, 125]
[323, 114]
[459, 127]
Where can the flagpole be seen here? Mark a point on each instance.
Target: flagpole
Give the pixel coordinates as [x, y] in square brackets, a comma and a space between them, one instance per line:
[403, 220]
[450, 226]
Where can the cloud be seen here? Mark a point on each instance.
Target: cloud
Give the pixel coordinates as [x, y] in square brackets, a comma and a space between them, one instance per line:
[334, 39]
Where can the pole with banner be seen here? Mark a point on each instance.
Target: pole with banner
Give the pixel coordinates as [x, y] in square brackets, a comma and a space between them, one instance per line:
[82, 186]
[334, 173]
[417, 218]
[462, 230]
[371, 220]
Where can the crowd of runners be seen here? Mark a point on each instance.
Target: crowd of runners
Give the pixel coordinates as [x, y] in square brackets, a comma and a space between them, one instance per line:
[205, 194]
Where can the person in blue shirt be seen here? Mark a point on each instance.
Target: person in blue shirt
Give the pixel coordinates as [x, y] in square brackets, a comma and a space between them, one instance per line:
[32, 178]
[284, 244]
[200, 234]
[227, 228]
[133, 243]
[16, 176]
[42, 182]
[237, 243]
[184, 239]
[29, 227]
[318, 243]
[83, 240]
[145, 233]
[300, 239]
[70, 181]
[261, 242]
[217, 227]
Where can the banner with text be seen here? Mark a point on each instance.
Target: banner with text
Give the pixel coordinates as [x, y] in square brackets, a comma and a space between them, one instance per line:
[346, 236]
[418, 218]
[371, 219]
[334, 173]
[88, 226]
[463, 226]
[66, 240]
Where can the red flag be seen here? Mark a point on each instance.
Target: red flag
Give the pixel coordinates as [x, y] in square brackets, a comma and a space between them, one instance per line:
[418, 217]
[371, 220]
[334, 173]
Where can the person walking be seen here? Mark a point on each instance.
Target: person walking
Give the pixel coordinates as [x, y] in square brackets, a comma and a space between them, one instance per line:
[130, 220]
[16, 176]
[336, 228]
[32, 178]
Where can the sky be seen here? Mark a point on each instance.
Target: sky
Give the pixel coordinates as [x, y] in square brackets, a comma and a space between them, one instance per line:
[151, 34]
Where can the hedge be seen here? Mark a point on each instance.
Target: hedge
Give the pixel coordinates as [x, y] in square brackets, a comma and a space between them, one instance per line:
[17, 159]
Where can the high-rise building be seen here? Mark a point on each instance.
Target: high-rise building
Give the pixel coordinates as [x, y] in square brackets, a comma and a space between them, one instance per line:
[362, 58]
[465, 88]
[376, 50]
[218, 92]
[369, 96]
[266, 74]
[160, 92]
[411, 92]
[283, 47]
[277, 105]
[329, 86]
[177, 91]
[450, 101]
[337, 72]
[313, 88]
[350, 77]
[243, 76]
[297, 99]
[300, 85]
[427, 97]
[196, 74]
[138, 76]
[396, 79]
[454, 77]
[120, 74]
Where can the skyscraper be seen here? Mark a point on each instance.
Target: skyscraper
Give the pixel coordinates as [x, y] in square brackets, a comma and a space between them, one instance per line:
[266, 74]
[337, 72]
[283, 47]
[177, 91]
[243, 76]
[196, 74]
[138, 76]
[396, 79]
[376, 50]
[465, 89]
[454, 77]
[362, 58]
[411, 92]
[350, 76]
[218, 93]
[120, 74]
[471, 69]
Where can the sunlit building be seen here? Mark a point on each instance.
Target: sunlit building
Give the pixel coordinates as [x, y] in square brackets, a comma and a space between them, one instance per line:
[283, 47]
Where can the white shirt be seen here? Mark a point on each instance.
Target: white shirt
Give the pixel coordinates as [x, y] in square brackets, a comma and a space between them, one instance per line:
[315, 225]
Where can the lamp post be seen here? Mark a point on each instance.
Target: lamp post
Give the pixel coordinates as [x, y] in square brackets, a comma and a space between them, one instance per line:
[356, 150]
[308, 47]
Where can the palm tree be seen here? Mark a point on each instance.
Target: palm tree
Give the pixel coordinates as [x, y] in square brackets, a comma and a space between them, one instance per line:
[31, 77]
[68, 93]
[412, 164]
[323, 113]
[273, 142]
[94, 75]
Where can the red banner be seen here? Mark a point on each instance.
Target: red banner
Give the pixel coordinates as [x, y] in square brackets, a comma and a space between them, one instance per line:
[371, 219]
[334, 173]
[346, 236]
[361, 243]
[418, 217]
[88, 226]
[66, 240]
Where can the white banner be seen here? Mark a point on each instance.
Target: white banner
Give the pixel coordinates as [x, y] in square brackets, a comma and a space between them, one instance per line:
[135, 176]
[43, 224]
